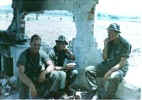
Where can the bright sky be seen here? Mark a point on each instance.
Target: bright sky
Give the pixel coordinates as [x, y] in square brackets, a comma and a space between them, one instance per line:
[5, 2]
[124, 7]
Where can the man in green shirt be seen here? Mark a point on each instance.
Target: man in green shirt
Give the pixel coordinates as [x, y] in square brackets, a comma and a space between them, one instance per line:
[58, 55]
[115, 65]
[33, 74]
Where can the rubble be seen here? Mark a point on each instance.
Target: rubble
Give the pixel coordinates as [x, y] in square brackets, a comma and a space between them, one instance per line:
[8, 86]
[127, 91]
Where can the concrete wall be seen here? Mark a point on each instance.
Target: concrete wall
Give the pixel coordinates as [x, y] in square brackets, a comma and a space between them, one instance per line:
[85, 47]
[84, 41]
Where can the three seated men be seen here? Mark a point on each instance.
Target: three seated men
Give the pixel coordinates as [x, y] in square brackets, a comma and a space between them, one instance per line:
[58, 75]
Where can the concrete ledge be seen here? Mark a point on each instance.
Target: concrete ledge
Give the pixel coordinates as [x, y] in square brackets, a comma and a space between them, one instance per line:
[127, 91]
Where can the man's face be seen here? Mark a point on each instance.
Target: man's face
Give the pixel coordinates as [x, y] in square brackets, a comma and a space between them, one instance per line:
[61, 46]
[35, 45]
[112, 34]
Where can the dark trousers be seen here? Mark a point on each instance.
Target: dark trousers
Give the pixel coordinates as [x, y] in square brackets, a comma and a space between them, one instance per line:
[55, 81]
[24, 92]
[93, 73]
[71, 76]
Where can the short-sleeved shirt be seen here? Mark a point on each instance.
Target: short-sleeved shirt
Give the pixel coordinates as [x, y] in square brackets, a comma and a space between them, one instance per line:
[118, 49]
[57, 57]
[115, 51]
[32, 64]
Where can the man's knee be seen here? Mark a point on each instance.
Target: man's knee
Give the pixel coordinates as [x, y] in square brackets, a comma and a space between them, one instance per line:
[63, 74]
[75, 73]
[54, 75]
[117, 76]
[89, 68]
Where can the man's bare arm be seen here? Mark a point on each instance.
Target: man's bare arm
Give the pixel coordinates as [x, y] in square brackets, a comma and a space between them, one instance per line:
[24, 78]
[50, 67]
[105, 48]
[116, 67]
[122, 62]
[27, 81]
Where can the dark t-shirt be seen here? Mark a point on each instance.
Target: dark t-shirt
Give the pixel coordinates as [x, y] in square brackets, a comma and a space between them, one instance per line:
[115, 51]
[32, 64]
[59, 57]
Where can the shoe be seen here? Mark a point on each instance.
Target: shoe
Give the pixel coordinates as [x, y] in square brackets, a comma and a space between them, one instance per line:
[64, 96]
[59, 94]
[91, 94]
[49, 95]
[69, 92]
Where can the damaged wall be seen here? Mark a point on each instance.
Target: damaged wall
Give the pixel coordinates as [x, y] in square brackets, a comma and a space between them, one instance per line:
[85, 47]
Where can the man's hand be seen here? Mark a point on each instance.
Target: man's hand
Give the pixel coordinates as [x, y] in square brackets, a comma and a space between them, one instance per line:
[58, 68]
[106, 41]
[69, 54]
[27, 81]
[70, 66]
[105, 50]
[33, 91]
[50, 67]
[42, 76]
[108, 74]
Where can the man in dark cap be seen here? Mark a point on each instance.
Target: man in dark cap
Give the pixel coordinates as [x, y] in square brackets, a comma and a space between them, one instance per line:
[114, 67]
[58, 55]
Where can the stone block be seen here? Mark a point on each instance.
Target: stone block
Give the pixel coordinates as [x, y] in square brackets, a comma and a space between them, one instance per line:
[127, 91]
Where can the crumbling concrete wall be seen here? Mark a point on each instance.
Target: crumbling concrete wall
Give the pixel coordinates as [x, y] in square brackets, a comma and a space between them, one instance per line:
[85, 46]
[81, 10]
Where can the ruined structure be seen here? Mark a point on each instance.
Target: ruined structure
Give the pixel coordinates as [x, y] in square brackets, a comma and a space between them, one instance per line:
[83, 12]
[13, 40]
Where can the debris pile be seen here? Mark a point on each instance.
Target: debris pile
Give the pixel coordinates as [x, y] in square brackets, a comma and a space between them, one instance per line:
[8, 86]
